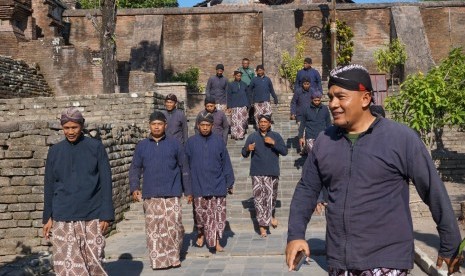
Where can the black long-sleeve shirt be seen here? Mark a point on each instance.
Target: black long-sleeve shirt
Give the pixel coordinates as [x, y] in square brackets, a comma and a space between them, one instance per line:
[176, 125]
[265, 157]
[164, 167]
[261, 88]
[369, 224]
[237, 94]
[77, 183]
[216, 88]
[211, 170]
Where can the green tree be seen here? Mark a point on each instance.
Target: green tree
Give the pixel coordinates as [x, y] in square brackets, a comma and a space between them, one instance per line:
[391, 57]
[290, 65]
[344, 43]
[95, 4]
[428, 103]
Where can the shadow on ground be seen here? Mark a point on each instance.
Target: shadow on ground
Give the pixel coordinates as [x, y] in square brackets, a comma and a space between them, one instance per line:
[125, 265]
[249, 205]
[318, 252]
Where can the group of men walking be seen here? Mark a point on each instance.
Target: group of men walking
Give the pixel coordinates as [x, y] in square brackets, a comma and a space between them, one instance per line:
[363, 160]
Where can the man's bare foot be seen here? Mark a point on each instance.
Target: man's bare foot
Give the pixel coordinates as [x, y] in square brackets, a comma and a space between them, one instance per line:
[200, 239]
[218, 247]
[274, 222]
[263, 233]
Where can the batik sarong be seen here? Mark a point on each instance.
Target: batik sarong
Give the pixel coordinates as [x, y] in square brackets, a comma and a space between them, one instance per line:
[239, 122]
[308, 146]
[261, 108]
[78, 248]
[265, 192]
[164, 231]
[210, 214]
[224, 108]
[368, 272]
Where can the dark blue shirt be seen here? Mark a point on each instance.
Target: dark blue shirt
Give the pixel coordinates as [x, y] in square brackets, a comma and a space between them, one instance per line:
[176, 125]
[77, 184]
[265, 157]
[163, 165]
[310, 74]
[369, 224]
[315, 119]
[216, 88]
[261, 88]
[301, 99]
[237, 94]
[210, 166]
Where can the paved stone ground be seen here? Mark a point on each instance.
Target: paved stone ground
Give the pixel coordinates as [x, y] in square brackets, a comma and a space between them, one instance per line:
[245, 254]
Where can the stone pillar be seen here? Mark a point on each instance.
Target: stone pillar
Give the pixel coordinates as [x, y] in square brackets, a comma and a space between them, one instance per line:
[278, 36]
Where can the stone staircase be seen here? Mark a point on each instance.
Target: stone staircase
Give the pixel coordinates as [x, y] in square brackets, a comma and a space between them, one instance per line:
[240, 207]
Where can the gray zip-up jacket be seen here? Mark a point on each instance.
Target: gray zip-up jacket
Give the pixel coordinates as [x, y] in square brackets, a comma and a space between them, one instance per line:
[369, 224]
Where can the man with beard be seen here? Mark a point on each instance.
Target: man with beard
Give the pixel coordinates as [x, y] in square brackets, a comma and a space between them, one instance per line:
[161, 161]
[212, 177]
[78, 205]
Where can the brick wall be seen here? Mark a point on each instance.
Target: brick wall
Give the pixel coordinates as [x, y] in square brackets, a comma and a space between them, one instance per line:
[154, 42]
[444, 28]
[30, 126]
[17, 79]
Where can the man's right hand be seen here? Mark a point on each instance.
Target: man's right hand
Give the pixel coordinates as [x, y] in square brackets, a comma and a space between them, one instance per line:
[47, 227]
[251, 147]
[292, 117]
[453, 265]
[137, 195]
[292, 248]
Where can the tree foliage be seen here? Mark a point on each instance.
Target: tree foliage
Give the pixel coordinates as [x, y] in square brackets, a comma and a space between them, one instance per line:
[428, 103]
[390, 57]
[344, 43]
[291, 64]
[131, 4]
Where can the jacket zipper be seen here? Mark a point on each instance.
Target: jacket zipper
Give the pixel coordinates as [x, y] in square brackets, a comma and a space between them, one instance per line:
[352, 145]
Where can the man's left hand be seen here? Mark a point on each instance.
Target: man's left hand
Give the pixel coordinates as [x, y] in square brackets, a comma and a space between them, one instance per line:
[453, 265]
[104, 226]
[269, 140]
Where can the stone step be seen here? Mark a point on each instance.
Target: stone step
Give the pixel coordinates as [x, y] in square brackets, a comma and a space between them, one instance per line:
[240, 208]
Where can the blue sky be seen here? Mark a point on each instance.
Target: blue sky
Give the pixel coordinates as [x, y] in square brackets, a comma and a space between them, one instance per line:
[190, 3]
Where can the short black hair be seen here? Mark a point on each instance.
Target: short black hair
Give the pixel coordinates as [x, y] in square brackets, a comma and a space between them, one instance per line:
[245, 59]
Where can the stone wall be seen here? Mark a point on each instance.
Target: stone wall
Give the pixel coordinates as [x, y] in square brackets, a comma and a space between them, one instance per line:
[30, 126]
[17, 80]
[443, 27]
[152, 43]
